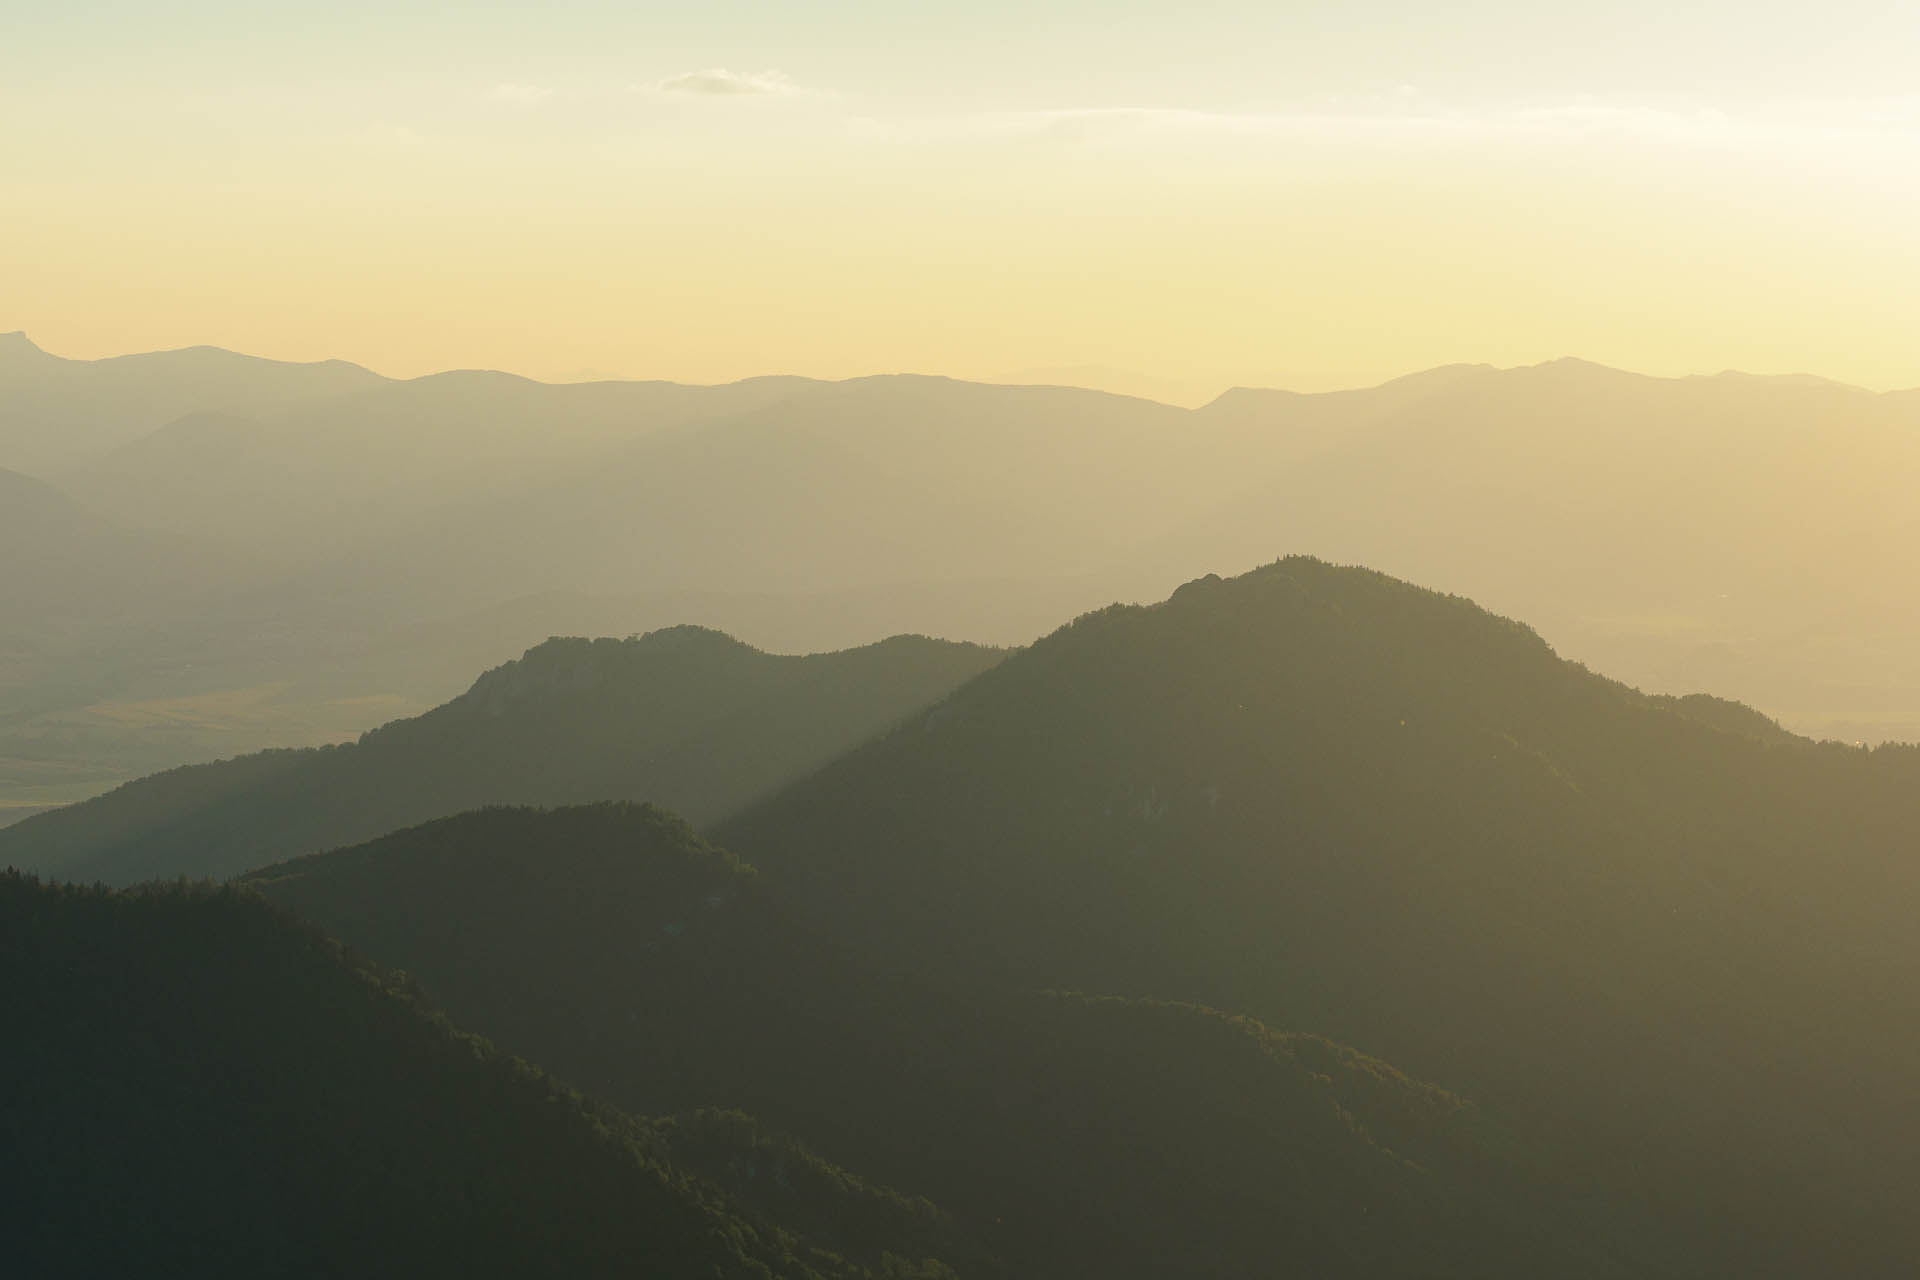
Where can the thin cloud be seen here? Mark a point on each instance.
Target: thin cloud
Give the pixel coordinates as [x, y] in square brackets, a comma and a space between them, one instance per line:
[719, 82]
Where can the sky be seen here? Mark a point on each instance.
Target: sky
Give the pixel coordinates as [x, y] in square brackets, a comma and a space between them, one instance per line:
[1178, 198]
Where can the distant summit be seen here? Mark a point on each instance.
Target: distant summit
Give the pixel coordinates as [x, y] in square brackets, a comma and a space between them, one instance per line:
[1422, 382]
[19, 357]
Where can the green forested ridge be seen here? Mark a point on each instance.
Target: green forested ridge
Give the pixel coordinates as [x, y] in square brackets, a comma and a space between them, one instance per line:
[1071, 1135]
[685, 716]
[195, 1084]
[1671, 953]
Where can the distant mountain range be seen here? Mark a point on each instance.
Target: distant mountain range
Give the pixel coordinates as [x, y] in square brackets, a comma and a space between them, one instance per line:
[297, 530]
[56, 413]
[326, 474]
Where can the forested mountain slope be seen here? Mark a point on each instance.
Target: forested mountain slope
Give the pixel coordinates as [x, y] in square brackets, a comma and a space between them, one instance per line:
[198, 1085]
[1074, 1135]
[683, 716]
[1335, 801]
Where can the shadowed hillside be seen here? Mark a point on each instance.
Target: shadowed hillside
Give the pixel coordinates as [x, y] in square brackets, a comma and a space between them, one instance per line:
[1075, 1135]
[200, 1086]
[1332, 800]
[684, 716]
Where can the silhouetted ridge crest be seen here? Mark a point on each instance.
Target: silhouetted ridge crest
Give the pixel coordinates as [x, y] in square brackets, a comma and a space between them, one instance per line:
[572, 664]
[684, 716]
[16, 348]
[1727, 715]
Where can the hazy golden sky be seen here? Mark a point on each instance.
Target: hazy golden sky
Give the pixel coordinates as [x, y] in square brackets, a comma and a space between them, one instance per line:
[1200, 194]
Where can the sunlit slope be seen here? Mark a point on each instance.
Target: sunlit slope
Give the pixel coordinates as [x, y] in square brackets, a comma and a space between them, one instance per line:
[199, 1085]
[684, 716]
[1332, 800]
[1075, 1135]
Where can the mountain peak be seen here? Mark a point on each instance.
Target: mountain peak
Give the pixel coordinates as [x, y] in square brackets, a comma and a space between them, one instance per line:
[1577, 366]
[17, 351]
[691, 635]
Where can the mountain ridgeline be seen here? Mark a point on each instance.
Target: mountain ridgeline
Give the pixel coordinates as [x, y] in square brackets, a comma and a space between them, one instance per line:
[1073, 945]
[282, 555]
[56, 413]
[686, 717]
[1312, 796]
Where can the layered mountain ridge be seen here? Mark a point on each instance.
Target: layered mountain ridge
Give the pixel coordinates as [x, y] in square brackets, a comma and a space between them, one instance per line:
[685, 716]
[1636, 522]
[1631, 940]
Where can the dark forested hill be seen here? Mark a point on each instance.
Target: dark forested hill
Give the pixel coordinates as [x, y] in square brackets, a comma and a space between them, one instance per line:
[686, 717]
[1074, 1135]
[1676, 952]
[196, 1084]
